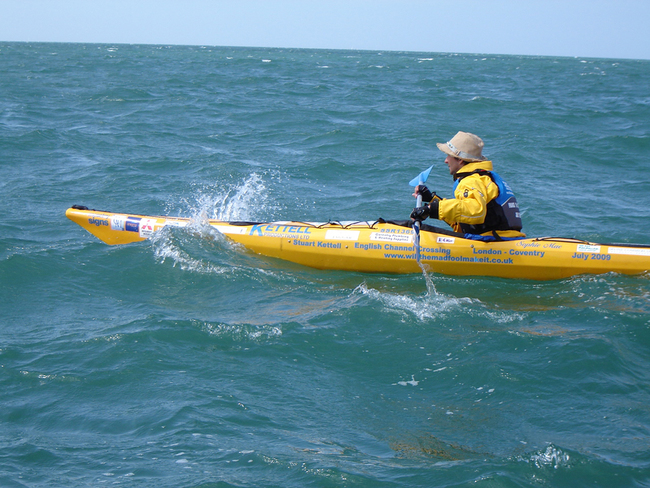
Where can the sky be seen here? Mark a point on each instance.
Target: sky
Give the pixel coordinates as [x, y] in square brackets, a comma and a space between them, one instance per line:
[582, 28]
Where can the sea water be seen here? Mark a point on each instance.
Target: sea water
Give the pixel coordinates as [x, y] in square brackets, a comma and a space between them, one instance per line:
[185, 361]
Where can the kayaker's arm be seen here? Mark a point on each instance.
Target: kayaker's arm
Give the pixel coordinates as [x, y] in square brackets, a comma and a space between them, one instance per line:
[468, 207]
[470, 203]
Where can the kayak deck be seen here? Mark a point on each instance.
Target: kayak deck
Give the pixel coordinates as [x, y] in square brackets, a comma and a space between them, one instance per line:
[384, 247]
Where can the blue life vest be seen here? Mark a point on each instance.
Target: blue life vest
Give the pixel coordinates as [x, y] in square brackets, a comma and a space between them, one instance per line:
[502, 212]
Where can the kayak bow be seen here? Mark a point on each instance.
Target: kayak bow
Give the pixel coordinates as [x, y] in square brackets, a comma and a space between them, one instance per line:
[385, 247]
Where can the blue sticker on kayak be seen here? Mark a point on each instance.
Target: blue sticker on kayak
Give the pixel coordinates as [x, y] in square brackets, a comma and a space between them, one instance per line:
[132, 224]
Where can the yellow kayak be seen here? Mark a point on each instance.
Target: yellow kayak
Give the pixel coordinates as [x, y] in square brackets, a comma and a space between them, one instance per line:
[384, 247]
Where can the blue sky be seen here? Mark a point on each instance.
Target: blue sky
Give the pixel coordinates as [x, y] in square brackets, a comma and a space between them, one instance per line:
[584, 28]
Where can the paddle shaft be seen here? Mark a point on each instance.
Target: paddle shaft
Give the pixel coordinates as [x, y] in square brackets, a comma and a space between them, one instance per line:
[416, 225]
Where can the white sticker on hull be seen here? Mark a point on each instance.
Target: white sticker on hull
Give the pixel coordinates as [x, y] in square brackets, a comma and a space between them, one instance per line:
[175, 223]
[386, 237]
[147, 227]
[630, 251]
[230, 229]
[445, 240]
[587, 248]
[342, 235]
[118, 222]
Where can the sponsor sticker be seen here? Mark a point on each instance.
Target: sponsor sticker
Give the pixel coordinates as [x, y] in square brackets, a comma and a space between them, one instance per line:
[385, 237]
[230, 229]
[587, 248]
[630, 251]
[175, 223]
[118, 222]
[147, 227]
[132, 224]
[445, 240]
[342, 235]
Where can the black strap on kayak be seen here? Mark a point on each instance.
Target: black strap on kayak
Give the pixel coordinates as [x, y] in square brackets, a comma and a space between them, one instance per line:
[83, 207]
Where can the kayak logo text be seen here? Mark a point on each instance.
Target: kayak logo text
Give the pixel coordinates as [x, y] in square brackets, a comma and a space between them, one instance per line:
[279, 230]
[98, 222]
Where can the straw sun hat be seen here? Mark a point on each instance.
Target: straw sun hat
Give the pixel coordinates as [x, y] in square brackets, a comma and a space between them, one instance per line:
[465, 146]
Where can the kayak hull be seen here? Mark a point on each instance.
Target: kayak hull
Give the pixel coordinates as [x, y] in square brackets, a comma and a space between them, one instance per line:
[381, 247]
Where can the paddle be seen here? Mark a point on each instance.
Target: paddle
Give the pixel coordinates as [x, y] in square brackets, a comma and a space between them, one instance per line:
[419, 180]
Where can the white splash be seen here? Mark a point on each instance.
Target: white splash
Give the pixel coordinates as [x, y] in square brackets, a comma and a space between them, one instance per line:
[552, 457]
[220, 202]
[424, 307]
[239, 202]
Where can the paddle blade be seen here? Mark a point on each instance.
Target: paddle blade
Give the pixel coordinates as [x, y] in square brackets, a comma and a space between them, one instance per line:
[421, 178]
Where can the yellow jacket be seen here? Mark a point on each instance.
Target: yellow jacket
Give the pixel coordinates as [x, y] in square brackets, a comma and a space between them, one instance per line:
[469, 205]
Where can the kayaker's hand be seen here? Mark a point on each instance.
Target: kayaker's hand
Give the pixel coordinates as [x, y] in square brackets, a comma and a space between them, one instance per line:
[420, 213]
[427, 196]
[432, 210]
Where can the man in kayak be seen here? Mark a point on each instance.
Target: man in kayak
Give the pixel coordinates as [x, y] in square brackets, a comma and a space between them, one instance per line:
[484, 207]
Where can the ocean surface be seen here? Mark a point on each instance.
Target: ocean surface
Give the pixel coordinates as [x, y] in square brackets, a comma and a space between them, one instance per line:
[185, 362]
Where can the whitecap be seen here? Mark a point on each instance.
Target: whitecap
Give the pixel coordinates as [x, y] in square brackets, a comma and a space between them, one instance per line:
[551, 457]
[412, 382]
